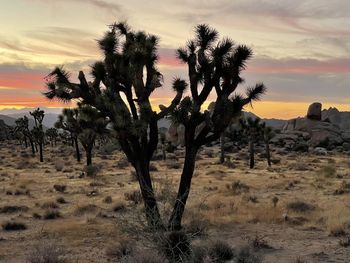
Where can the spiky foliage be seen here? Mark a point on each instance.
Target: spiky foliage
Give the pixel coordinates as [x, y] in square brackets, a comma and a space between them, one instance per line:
[38, 130]
[267, 134]
[252, 128]
[213, 65]
[129, 67]
[52, 135]
[22, 126]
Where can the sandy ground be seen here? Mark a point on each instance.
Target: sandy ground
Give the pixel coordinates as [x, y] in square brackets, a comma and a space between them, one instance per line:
[308, 222]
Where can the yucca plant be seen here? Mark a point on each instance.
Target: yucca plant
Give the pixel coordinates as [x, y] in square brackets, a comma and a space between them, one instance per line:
[129, 67]
[38, 130]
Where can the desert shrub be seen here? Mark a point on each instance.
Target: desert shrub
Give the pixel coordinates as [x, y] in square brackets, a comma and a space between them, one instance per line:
[9, 209]
[134, 196]
[68, 170]
[238, 188]
[343, 189]
[199, 254]
[144, 257]
[49, 205]
[119, 207]
[108, 199]
[92, 170]
[61, 200]
[60, 188]
[300, 206]
[119, 250]
[328, 171]
[220, 251]
[85, 209]
[173, 165]
[345, 242]
[13, 226]
[175, 245]
[46, 252]
[247, 255]
[23, 164]
[51, 214]
[59, 165]
[122, 163]
[197, 227]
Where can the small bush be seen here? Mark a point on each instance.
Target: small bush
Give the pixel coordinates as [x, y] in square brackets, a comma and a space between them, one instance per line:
[59, 165]
[300, 207]
[108, 199]
[92, 170]
[329, 171]
[134, 196]
[220, 251]
[49, 205]
[52, 214]
[121, 249]
[247, 255]
[197, 227]
[46, 252]
[81, 210]
[61, 200]
[144, 257]
[60, 188]
[13, 226]
[13, 209]
[238, 188]
[119, 207]
[176, 246]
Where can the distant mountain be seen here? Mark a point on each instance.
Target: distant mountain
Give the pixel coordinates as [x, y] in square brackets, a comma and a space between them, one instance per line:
[49, 119]
[274, 123]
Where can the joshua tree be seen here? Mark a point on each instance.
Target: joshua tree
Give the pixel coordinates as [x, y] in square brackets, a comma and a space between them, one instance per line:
[68, 121]
[129, 68]
[22, 126]
[267, 135]
[38, 131]
[52, 134]
[252, 129]
[92, 123]
[84, 124]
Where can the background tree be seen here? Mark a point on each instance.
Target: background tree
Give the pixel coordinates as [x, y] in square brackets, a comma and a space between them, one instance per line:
[252, 129]
[22, 126]
[68, 121]
[38, 131]
[129, 68]
[92, 124]
[267, 134]
[52, 135]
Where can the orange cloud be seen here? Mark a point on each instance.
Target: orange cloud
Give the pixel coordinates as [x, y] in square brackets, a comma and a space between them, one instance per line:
[22, 80]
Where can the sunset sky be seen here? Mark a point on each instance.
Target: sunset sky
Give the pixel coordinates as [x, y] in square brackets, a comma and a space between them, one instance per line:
[301, 47]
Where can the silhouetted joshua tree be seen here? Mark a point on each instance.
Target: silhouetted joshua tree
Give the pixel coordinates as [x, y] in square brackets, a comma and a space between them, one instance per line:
[129, 68]
[38, 131]
[22, 126]
[267, 134]
[68, 121]
[52, 135]
[252, 129]
[84, 124]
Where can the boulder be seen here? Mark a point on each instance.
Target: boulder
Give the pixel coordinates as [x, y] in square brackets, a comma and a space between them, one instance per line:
[319, 151]
[315, 111]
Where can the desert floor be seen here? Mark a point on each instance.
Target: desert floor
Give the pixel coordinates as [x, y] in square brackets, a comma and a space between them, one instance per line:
[309, 221]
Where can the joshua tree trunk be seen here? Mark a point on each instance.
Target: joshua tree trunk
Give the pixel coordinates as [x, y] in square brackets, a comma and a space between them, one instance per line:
[251, 153]
[222, 150]
[88, 156]
[268, 155]
[25, 142]
[32, 146]
[41, 152]
[151, 208]
[77, 151]
[36, 147]
[184, 189]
